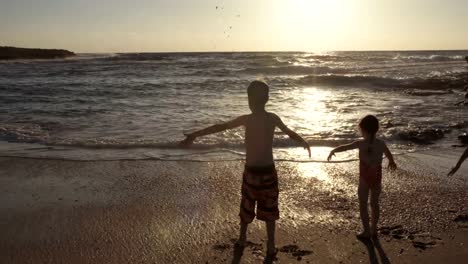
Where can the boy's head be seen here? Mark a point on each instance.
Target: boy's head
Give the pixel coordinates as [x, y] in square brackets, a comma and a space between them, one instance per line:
[258, 95]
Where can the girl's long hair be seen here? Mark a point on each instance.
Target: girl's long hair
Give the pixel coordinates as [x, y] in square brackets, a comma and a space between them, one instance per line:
[370, 124]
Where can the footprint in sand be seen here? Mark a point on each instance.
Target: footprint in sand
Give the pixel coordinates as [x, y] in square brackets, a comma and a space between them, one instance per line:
[221, 247]
[294, 251]
[419, 240]
[423, 245]
[462, 221]
[257, 250]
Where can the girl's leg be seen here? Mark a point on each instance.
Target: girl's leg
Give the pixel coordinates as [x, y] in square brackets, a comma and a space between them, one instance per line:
[375, 207]
[363, 194]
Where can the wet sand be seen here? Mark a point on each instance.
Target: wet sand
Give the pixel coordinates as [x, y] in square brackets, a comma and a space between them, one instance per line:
[54, 211]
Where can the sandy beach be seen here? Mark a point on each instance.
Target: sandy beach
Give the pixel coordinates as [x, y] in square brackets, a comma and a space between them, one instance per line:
[125, 127]
[55, 211]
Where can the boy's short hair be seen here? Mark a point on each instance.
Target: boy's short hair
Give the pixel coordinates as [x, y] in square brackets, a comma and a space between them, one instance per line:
[258, 91]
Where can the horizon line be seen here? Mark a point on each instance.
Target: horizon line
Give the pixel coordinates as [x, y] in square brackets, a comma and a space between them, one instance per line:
[279, 51]
[250, 51]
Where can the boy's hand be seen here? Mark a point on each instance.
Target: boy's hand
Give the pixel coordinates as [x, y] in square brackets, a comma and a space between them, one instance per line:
[453, 171]
[189, 138]
[392, 165]
[332, 153]
[307, 146]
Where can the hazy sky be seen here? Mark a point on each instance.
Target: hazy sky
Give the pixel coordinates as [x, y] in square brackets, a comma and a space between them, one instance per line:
[196, 25]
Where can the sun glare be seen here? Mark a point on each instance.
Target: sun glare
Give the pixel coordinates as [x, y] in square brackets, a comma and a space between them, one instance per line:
[312, 20]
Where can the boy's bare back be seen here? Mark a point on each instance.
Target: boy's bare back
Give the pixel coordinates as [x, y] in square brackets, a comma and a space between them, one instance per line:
[259, 132]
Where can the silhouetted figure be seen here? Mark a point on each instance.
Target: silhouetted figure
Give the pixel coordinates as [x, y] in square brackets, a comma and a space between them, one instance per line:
[260, 180]
[466, 58]
[371, 152]
[459, 163]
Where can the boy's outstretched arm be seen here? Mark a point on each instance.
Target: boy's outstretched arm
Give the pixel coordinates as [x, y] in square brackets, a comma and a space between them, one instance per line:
[391, 162]
[189, 138]
[279, 123]
[342, 148]
[459, 163]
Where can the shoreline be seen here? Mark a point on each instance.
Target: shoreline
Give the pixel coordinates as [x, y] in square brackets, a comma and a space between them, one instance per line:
[181, 212]
[203, 155]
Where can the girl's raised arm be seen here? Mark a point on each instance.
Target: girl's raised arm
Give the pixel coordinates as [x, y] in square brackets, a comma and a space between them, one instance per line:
[342, 148]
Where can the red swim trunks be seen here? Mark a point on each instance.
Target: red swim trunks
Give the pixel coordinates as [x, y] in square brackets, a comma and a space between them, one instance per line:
[259, 186]
[371, 175]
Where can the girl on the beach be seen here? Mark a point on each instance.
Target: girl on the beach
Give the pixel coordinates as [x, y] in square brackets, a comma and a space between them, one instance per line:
[371, 150]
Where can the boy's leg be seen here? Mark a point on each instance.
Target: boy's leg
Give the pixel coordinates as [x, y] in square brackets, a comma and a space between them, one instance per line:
[270, 225]
[363, 194]
[247, 210]
[243, 233]
[375, 207]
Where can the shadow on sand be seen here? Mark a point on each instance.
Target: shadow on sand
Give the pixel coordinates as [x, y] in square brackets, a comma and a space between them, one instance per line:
[372, 246]
[238, 252]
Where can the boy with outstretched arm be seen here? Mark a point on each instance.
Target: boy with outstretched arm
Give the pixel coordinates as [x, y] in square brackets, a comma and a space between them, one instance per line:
[260, 181]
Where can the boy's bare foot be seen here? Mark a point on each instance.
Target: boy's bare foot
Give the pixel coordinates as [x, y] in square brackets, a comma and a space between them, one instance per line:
[240, 242]
[271, 247]
[271, 255]
[364, 235]
[272, 250]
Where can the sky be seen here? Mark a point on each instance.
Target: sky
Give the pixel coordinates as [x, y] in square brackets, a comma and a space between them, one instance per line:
[234, 25]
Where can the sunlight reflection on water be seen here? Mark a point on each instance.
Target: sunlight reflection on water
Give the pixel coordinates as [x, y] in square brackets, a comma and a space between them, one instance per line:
[315, 170]
[312, 110]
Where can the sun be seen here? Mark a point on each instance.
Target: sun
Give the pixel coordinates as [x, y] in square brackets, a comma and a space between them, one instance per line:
[310, 6]
[318, 13]
[309, 20]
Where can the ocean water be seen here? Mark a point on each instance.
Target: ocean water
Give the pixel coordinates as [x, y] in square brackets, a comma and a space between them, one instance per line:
[138, 105]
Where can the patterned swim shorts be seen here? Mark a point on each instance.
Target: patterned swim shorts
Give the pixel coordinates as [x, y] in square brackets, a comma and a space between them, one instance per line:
[260, 187]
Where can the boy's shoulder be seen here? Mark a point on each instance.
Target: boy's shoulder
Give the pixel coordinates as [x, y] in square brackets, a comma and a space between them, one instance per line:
[269, 117]
[377, 141]
[380, 141]
[273, 115]
[269, 114]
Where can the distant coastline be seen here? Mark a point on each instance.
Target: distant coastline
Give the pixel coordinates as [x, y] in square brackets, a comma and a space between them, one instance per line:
[13, 53]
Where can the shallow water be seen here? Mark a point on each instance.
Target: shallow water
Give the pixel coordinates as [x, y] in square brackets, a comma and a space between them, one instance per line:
[138, 105]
